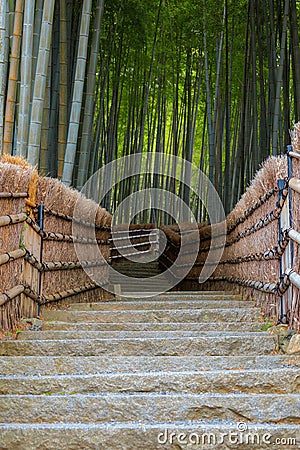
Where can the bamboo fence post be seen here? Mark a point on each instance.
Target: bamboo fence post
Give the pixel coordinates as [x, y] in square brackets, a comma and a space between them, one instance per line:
[32, 277]
[285, 261]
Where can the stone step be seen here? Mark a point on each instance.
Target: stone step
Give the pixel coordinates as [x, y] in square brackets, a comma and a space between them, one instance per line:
[150, 407]
[247, 343]
[142, 267]
[160, 305]
[254, 381]
[194, 435]
[126, 374]
[142, 283]
[83, 334]
[84, 365]
[175, 296]
[154, 326]
[184, 315]
[137, 274]
[139, 265]
[202, 293]
[139, 283]
[146, 289]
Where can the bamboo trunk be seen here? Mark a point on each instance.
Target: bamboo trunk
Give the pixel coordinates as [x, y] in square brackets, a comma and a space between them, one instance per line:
[3, 64]
[63, 90]
[26, 71]
[13, 79]
[87, 128]
[34, 139]
[77, 94]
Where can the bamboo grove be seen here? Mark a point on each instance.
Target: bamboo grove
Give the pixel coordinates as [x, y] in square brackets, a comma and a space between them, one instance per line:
[86, 81]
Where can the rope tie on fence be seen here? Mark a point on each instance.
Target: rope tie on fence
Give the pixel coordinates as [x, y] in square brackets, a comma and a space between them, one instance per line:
[51, 236]
[31, 294]
[35, 227]
[261, 201]
[61, 265]
[273, 253]
[279, 288]
[285, 283]
[60, 215]
[58, 296]
[263, 222]
[31, 259]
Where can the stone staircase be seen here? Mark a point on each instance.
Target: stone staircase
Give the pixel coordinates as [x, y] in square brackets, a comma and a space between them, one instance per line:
[142, 276]
[179, 371]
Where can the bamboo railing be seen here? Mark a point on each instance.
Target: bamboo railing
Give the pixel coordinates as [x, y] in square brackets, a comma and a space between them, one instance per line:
[39, 265]
[29, 280]
[133, 241]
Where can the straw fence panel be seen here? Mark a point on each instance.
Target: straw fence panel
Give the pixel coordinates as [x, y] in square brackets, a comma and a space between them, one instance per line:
[15, 182]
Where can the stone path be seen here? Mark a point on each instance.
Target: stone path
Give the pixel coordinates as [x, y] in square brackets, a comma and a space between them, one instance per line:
[180, 371]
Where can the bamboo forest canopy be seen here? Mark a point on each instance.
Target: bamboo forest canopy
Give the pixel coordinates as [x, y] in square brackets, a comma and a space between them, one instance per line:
[84, 82]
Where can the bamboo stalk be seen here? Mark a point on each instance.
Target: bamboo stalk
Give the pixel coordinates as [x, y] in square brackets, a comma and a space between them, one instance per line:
[77, 94]
[3, 64]
[26, 71]
[63, 89]
[44, 152]
[39, 89]
[279, 80]
[87, 128]
[13, 78]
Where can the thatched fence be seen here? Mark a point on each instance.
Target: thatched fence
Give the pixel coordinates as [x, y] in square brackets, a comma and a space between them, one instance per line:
[39, 265]
[259, 259]
[38, 262]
